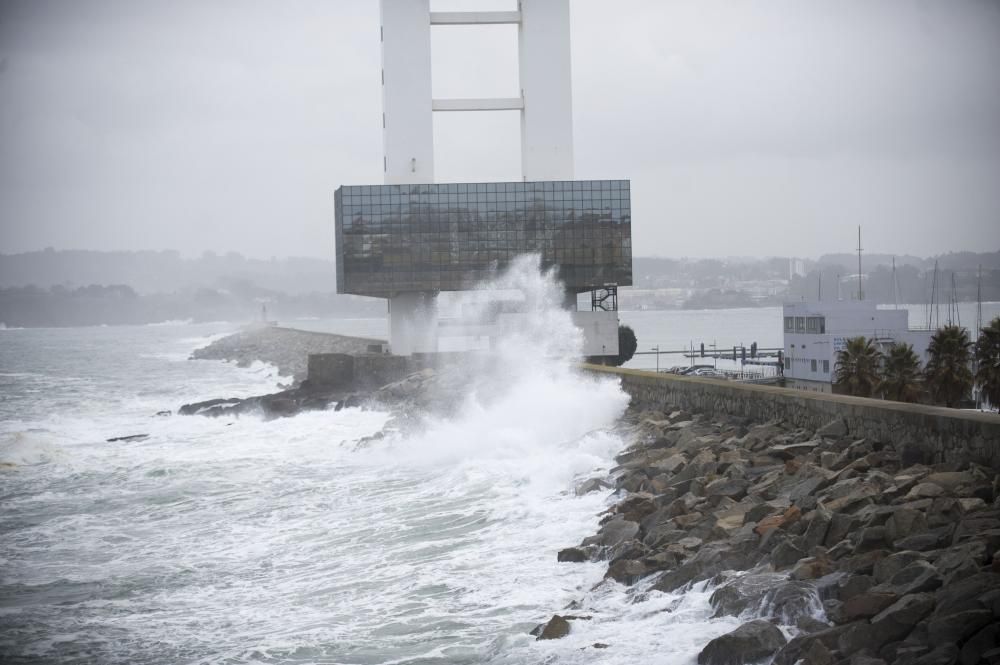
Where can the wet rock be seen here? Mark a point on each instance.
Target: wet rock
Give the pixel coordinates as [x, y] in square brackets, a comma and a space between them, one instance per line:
[750, 643]
[575, 554]
[628, 571]
[671, 464]
[637, 506]
[786, 554]
[734, 489]
[981, 642]
[841, 525]
[955, 628]
[556, 628]
[961, 561]
[796, 648]
[885, 568]
[951, 480]
[870, 538]
[964, 594]
[791, 450]
[917, 577]
[862, 564]
[852, 585]
[925, 490]
[592, 485]
[811, 568]
[864, 605]
[769, 594]
[817, 529]
[707, 561]
[129, 438]
[904, 522]
[944, 654]
[207, 407]
[923, 542]
[612, 533]
[897, 620]
[808, 624]
[786, 518]
[735, 596]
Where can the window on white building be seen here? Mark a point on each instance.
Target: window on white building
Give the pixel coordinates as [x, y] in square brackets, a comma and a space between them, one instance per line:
[788, 363]
[816, 324]
[800, 324]
[826, 366]
[812, 365]
[789, 324]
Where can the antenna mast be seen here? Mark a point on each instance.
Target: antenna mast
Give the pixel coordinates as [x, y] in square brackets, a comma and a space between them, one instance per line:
[979, 302]
[953, 305]
[935, 315]
[861, 295]
[895, 286]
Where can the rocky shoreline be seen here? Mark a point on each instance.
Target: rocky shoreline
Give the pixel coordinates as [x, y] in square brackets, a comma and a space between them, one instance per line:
[834, 550]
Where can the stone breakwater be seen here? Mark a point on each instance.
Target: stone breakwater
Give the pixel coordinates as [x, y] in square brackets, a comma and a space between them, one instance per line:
[285, 348]
[920, 432]
[832, 547]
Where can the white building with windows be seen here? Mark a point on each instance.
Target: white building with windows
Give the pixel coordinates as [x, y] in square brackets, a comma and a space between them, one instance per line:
[815, 331]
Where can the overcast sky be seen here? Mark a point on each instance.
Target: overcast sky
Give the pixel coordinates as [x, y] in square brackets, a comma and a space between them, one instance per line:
[747, 127]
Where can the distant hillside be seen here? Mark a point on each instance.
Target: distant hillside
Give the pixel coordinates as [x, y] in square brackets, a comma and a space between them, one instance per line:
[163, 272]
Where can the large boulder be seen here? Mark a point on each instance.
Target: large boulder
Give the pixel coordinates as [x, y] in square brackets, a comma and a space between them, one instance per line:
[955, 628]
[864, 606]
[766, 594]
[917, 577]
[896, 621]
[904, 522]
[752, 642]
[612, 533]
[556, 628]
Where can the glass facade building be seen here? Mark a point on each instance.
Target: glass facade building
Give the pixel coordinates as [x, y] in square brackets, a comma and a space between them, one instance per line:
[448, 237]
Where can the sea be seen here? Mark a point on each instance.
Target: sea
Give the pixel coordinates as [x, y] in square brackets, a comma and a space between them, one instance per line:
[302, 540]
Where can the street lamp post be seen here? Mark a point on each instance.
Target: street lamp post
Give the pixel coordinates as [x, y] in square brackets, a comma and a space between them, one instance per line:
[657, 349]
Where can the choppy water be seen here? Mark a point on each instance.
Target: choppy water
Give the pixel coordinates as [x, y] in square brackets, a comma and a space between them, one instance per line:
[246, 541]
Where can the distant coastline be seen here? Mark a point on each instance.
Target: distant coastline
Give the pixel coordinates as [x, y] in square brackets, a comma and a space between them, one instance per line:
[53, 288]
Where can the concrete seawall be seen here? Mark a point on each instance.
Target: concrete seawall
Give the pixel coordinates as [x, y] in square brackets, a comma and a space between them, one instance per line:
[922, 433]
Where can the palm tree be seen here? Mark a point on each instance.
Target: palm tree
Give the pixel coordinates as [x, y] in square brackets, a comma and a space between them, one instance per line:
[857, 365]
[949, 378]
[988, 360]
[900, 374]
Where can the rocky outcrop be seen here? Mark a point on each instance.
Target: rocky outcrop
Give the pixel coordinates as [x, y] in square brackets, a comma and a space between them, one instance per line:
[750, 643]
[285, 348]
[860, 555]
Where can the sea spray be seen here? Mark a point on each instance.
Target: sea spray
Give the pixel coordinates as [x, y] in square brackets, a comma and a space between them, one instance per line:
[525, 399]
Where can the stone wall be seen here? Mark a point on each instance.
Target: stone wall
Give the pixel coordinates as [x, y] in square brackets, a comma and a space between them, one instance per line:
[922, 433]
[368, 371]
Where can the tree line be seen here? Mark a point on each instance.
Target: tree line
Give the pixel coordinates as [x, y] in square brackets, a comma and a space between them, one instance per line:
[955, 365]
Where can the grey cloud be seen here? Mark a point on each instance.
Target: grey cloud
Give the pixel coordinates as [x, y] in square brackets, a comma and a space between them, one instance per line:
[769, 127]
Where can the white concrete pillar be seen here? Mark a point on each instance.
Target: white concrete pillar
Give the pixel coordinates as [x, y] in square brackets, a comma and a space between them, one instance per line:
[412, 323]
[407, 122]
[546, 85]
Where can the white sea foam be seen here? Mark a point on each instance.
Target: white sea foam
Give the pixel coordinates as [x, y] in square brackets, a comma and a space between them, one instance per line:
[170, 323]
